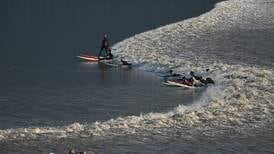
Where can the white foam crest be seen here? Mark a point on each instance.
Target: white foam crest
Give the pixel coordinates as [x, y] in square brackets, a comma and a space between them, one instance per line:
[242, 96]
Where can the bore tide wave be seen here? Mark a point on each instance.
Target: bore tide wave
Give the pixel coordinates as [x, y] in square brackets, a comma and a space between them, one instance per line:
[241, 98]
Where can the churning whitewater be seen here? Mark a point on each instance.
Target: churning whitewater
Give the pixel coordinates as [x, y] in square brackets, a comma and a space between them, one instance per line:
[242, 97]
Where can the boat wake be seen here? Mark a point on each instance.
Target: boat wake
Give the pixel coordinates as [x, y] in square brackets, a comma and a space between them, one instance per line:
[242, 97]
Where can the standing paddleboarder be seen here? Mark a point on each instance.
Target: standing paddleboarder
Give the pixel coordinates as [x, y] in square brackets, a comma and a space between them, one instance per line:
[104, 45]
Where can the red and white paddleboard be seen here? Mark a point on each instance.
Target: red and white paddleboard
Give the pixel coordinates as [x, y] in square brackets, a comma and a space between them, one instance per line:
[91, 58]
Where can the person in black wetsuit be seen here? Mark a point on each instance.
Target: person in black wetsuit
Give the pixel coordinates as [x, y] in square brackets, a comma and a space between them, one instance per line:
[72, 151]
[201, 79]
[104, 45]
[124, 62]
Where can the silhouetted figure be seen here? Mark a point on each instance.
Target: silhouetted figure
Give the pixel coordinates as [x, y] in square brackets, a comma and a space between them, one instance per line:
[124, 62]
[104, 45]
[72, 151]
